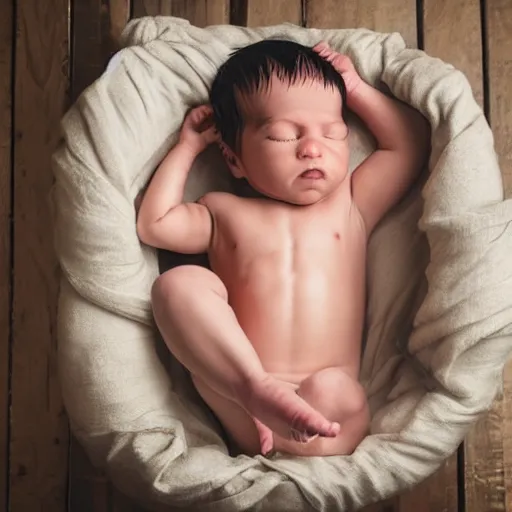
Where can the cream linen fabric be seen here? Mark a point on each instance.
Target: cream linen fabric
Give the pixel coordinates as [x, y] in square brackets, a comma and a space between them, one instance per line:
[439, 276]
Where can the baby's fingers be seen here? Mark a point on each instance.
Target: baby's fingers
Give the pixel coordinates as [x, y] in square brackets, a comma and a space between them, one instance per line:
[200, 118]
[211, 135]
[201, 112]
[339, 61]
[321, 47]
[325, 51]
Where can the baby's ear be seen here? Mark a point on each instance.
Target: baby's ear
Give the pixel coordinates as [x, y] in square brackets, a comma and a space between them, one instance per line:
[234, 163]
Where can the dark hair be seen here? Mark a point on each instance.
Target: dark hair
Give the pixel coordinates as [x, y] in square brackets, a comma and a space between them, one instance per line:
[250, 69]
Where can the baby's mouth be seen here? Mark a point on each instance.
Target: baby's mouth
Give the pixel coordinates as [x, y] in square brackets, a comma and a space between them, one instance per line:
[313, 174]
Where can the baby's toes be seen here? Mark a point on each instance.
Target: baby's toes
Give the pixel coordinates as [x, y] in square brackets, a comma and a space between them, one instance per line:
[266, 437]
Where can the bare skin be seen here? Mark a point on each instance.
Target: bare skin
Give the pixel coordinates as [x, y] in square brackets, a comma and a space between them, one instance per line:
[272, 336]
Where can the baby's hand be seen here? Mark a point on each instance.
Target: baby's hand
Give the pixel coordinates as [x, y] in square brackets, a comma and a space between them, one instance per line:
[342, 64]
[198, 130]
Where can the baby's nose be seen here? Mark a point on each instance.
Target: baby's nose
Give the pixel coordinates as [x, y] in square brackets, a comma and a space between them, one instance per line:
[309, 148]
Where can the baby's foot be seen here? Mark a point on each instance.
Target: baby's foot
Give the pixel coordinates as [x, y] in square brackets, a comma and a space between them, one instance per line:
[276, 407]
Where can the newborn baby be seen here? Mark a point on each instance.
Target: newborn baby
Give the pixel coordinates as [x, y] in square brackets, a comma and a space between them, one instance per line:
[272, 335]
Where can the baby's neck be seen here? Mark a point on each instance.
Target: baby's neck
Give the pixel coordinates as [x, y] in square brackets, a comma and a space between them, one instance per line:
[242, 188]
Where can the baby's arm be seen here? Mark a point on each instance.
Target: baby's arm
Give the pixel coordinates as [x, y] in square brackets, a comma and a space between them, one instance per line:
[403, 143]
[402, 147]
[164, 221]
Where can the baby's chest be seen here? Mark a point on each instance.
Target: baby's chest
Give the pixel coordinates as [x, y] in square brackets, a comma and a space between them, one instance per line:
[287, 241]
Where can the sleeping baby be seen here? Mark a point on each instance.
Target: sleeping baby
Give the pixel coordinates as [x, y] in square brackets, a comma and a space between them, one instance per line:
[272, 334]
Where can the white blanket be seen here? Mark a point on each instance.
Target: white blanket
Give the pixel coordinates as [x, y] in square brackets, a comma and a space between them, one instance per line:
[439, 319]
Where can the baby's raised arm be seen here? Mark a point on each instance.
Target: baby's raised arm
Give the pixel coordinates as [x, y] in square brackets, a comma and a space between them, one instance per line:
[164, 221]
[403, 142]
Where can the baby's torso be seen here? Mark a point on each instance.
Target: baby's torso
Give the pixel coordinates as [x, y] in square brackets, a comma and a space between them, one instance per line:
[296, 281]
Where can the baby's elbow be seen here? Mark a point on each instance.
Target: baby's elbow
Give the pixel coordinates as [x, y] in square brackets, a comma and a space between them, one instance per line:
[414, 163]
[143, 232]
[416, 150]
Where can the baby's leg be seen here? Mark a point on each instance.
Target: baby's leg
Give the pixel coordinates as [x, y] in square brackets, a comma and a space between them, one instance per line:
[191, 309]
[340, 398]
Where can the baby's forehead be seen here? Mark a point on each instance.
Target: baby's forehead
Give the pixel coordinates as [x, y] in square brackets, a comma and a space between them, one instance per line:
[275, 83]
[261, 105]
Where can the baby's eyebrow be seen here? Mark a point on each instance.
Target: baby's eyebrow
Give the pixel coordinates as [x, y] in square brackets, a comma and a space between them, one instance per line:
[260, 122]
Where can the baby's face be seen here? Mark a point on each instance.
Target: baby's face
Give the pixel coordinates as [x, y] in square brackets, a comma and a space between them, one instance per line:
[294, 146]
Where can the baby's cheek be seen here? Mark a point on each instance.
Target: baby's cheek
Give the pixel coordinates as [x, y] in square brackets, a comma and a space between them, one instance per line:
[272, 153]
[340, 158]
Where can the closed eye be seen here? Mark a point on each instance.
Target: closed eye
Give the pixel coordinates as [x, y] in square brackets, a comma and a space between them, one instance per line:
[338, 132]
[280, 140]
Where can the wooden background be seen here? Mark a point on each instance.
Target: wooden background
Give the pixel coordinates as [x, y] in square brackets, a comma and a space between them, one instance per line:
[50, 50]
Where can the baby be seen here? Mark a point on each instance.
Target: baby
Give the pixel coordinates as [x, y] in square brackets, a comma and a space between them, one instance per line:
[272, 335]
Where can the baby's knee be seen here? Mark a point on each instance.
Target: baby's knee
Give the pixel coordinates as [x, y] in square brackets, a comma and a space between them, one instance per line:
[335, 387]
[164, 284]
[172, 284]
[184, 282]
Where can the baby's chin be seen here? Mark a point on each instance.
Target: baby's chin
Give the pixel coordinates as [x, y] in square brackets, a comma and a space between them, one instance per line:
[308, 198]
[292, 197]
[307, 202]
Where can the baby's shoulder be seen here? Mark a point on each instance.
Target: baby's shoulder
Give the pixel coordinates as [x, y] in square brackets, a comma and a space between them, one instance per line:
[233, 210]
[217, 200]
[224, 206]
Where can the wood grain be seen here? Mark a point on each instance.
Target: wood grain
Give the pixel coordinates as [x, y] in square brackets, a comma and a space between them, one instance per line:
[378, 15]
[116, 18]
[506, 401]
[97, 27]
[89, 489]
[488, 449]
[452, 32]
[436, 494]
[269, 12]
[39, 431]
[151, 8]
[499, 30]
[121, 503]
[6, 42]
[202, 12]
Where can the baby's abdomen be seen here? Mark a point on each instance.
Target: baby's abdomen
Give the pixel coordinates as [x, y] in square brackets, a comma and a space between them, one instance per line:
[301, 323]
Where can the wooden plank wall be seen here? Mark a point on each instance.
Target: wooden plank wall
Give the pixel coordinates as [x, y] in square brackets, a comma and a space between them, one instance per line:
[38, 441]
[42, 70]
[6, 36]
[488, 449]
